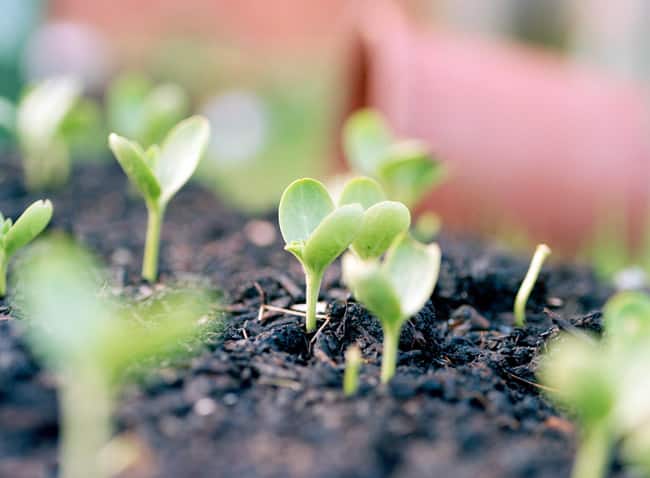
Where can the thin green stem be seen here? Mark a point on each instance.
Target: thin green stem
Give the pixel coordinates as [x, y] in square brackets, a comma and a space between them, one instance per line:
[3, 273]
[85, 403]
[152, 242]
[351, 374]
[313, 281]
[541, 253]
[389, 358]
[593, 454]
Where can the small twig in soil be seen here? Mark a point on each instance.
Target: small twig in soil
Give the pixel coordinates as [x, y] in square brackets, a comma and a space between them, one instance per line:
[243, 330]
[531, 383]
[318, 332]
[282, 383]
[567, 326]
[265, 307]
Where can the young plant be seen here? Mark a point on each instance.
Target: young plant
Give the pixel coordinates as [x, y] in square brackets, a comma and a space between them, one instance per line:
[395, 289]
[383, 221]
[90, 343]
[40, 117]
[351, 375]
[541, 253]
[316, 233]
[145, 112]
[405, 168]
[159, 172]
[14, 236]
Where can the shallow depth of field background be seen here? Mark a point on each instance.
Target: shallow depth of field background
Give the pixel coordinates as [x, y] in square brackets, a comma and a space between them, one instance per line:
[539, 106]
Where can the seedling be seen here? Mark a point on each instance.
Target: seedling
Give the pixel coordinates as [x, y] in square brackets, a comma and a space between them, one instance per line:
[383, 220]
[352, 365]
[159, 172]
[395, 289]
[90, 343]
[316, 233]
[405, 168]
[14, 236]
[138, 109]
[541, 253]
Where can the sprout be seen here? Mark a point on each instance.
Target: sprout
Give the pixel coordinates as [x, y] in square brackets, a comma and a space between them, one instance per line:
[316, 233]
[395, 289]
[383, 221]
[40, 116]
[541, 253]
[405, 168]
[14, 236]
[146, 113]
[90, 343]
[352, 365]
[159, 173]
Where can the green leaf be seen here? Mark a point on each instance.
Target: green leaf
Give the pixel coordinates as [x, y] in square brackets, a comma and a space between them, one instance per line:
[412, 268]
[303, 206]
[180, 154]
[366, 138]
[29, 225]
[362, 190]
[134, 163]
[332, 237]
[409, 172]
[627, 316]
[382, 223]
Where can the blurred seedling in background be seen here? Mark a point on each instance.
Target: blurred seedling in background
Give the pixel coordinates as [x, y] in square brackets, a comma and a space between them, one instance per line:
[14, 236]
[541, 253]
[316, 232]
[405, 168]
[159, 172]
[91, 342]
[353, 361]
[142, 111]
[606, 384]
[395, 289]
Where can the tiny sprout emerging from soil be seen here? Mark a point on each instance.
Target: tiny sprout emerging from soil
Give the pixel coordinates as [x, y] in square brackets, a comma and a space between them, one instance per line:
[395, 289]
[159, 172]
[14, 236]
[405, 168]
[40, 117]
[316, 233]
[352, 367]
[91, 343]
[383, 221]
[541, 253]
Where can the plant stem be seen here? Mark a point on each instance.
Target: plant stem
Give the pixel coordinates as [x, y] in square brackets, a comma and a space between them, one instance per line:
[3, 274]
[592, 457]
[313, 281]
[541, 253]
[389, 358]
[85, 404]
[152, 242]
[351, 374]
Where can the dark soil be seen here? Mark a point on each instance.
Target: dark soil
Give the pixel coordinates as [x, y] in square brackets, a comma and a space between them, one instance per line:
[265, 400]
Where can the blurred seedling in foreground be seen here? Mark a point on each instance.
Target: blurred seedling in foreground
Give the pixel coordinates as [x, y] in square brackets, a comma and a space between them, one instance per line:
[395, 289]
[159, 172]
[138, 109]
[405, 168]
[90, 343]
[14, 236]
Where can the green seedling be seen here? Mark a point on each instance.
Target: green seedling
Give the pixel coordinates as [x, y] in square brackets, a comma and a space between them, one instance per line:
[40, 116]
[353, 362]
[395, 289]
[405, 168]
[91, 343]
[541, 253]
[14, 236]
[159, 172]
[145, 112]
[316, 233]
[383, 220]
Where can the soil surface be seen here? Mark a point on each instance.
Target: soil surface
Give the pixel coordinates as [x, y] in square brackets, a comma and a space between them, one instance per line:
[263, 399]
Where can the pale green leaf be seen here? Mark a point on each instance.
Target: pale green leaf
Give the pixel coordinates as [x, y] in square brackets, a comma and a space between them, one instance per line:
[627, 316]
[134, 163]
[366, 138]
[180, 154]
[332, 237]
[29, 225]
[362, 190]
[382, 224]
[304, 204]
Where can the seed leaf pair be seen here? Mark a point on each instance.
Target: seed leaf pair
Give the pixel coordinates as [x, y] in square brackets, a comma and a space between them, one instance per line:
[394, 290]
[159, 172]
